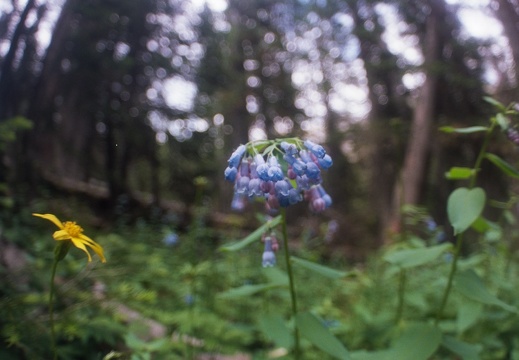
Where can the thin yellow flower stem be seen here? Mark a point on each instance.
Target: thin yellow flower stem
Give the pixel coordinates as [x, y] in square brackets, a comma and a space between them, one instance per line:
[51, 309]
[291, 282]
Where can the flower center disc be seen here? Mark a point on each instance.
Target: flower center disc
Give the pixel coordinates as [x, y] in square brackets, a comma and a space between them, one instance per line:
[72, 228]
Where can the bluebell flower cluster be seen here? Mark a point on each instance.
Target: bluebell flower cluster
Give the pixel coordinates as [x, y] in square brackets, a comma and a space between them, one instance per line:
[282, 172]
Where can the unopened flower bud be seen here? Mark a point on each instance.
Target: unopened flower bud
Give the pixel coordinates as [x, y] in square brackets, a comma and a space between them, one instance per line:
[236, 156]
[268, 258]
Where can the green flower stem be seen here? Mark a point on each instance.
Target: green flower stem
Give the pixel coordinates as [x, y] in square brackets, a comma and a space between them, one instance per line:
[291, 282]
[401, 293]
[454, 266]
[191, 317]
[481, 154]
[258, 146]
[51, 308]
[459, 238]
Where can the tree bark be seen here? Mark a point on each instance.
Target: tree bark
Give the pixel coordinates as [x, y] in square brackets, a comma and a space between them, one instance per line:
[423, 118]
[382, 72]
[507, 13]
[6, 69]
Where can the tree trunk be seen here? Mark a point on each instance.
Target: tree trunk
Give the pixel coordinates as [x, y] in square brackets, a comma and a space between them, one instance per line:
[507, 14]
[6, 69]
[383, 74]
[423, 118]
[40, 144]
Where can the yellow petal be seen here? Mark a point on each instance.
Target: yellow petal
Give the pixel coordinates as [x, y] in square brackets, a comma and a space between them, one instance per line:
[51, 218]
[95, 246]
[61, 235]
[88, 241]
[79, 244]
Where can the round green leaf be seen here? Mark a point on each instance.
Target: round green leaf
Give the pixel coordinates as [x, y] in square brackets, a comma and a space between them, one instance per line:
[464, 207]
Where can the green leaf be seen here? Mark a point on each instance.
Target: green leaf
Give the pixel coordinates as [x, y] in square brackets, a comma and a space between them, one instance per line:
[409, 258]
[459, 173]
[465, 350]
[156, 345]
[481, 225]
[247, 290]
[269, 149]
[503, 165]
[470, 285]
[256, 235]
[276, 279]
[259, 145]
[502, 121]
[274, 328]
[468, 315]
[275, 275]
[133, 342]
[371, 355]
[509, 217]
[464, 206]
[417, 342]
[318, 269]
[490, 229]
[313, 330]
[494, 102]
[467, 130]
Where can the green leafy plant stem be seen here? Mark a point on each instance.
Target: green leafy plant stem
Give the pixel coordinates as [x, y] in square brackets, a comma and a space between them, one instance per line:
[482, 153]
[401, 294]
[293, 297]
[454, 266]
[191, 318]
[51, 309]
[459, 237]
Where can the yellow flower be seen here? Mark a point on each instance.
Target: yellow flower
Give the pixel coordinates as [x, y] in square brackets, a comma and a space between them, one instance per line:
[69, 230]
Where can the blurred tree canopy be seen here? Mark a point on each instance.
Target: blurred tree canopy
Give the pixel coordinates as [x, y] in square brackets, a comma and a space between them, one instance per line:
[135, 99]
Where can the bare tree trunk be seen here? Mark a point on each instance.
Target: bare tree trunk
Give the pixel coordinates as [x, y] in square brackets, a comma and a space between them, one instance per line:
[40, 145]
[6, 69]
[509, 17]
[380, 139]
[507, 13]
[419, 139]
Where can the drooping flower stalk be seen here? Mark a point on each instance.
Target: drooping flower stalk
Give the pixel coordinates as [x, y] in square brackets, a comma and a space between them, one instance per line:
[282, 172]
[293, 297]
